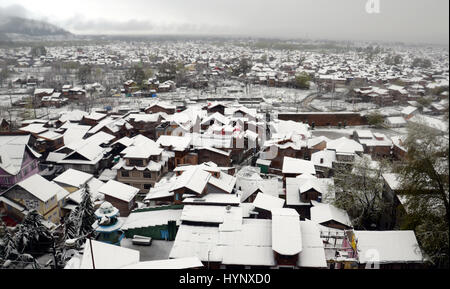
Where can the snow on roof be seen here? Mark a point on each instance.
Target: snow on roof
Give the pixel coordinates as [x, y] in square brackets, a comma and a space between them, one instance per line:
[392, 180]
[364, 133]
[217, 117]
[39, 187]
[267, 202]
[221, 152]
[210, 214]
[195, 179]
[409, 109]
[316, 140]
[395, 120]
[225, 199]
[180, 263]
[178, 142]
[107, 256]
[250, 245]
[199, 241]
[286, 231]
[297, 166]
[35, 128]
[143, 151]
[288, 127]
[324, 158]
[12, 153]
[313, 252]
[73, 178]
[144, 117]
[55, 157]
[95, 116]
[430, 122]
[321, 213]
[118, 190]
[225, 182]
[345, 145]
[151, 218]
[388, 246]
[74, 115]
[75, 133]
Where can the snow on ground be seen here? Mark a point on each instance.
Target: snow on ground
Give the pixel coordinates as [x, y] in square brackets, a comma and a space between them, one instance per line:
[158, 250]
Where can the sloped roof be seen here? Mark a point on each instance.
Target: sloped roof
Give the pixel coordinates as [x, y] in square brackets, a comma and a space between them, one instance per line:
[390, 246]
[286, 231]
[118, 190]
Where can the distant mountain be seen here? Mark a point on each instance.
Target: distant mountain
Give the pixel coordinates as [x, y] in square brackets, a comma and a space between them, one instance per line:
[11, 27]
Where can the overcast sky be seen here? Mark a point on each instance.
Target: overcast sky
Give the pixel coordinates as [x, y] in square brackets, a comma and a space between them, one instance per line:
[398, 20]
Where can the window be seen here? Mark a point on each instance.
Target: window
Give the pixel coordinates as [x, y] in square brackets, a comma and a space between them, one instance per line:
[147, 186]
[136, 162]
[147, 175]
[125, 174]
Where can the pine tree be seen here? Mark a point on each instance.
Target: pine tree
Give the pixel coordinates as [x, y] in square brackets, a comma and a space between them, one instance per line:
[81, 218]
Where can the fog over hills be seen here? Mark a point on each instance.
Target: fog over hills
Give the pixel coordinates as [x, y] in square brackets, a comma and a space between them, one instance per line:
[12, 27]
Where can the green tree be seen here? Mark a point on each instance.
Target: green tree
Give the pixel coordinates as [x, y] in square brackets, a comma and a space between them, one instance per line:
[358, 190]
[421, 62]
[243, 67]
[424, 179]
[302, 80]
[38, 51]
[4, 74]
[375, 119]
[424, 101]
[84, 73]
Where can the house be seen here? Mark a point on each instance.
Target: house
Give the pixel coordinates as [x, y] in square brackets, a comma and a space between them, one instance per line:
[409, 112]
[395, 121]
[218, 156]
[46, 140]
[142, 165]
[286, 236]
[130, 86]
[221, 238]
[329, 216]
[37, 193]
[76, 94]
[216, 107]
[264, 204]
[160, 107]
[115, 126]
[159, 223]
[375, 144]
[179, 146]
[323, 162]
[145, 124]
[277, 150]
[120, 195]
[18, 160]
[103, 256]
[388, 250]
[41, 92]
[346, 149]
[304, 189]
[89, 155]
[93, 118]
[180, 263]
[394, 199]
[4, 125]
[293, 167]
